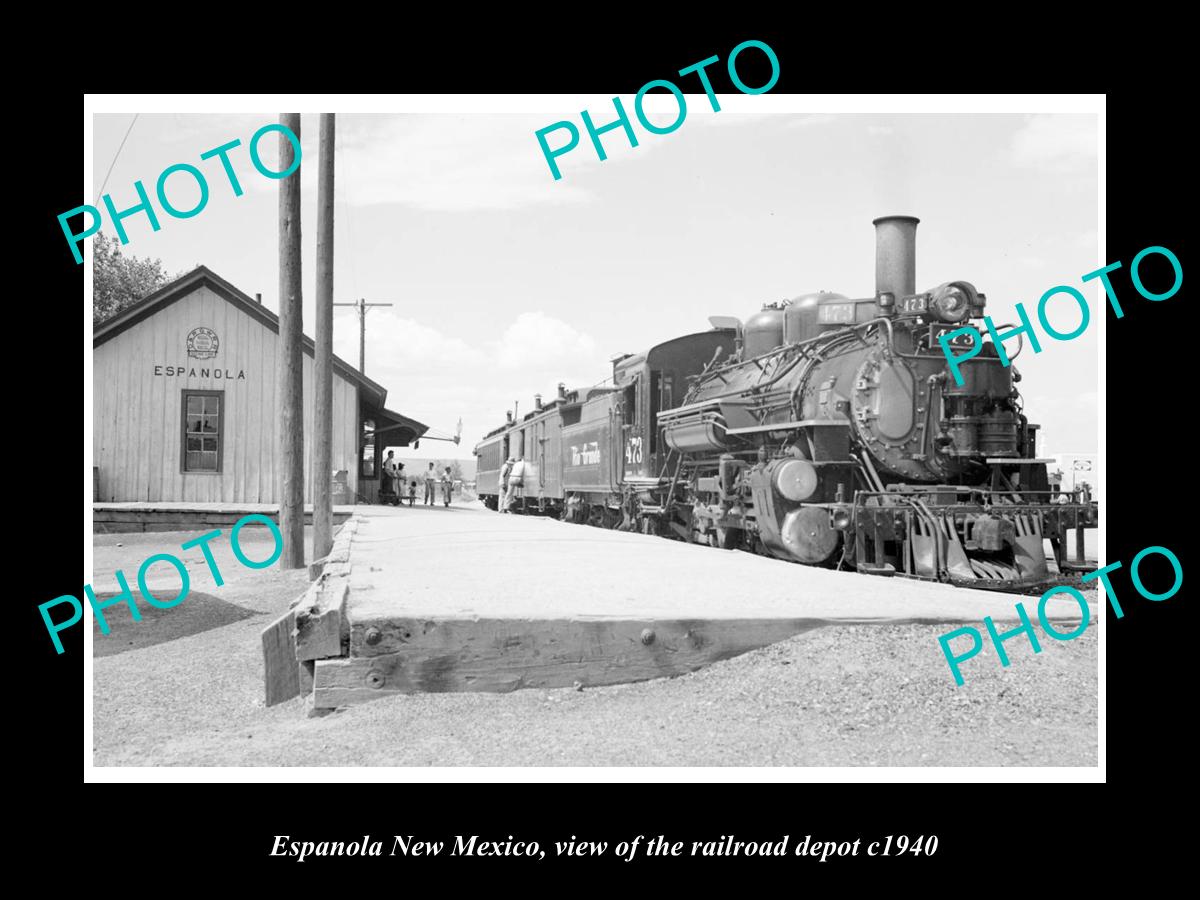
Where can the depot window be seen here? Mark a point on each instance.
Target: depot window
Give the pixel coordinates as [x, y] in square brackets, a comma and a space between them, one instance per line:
[203, 431]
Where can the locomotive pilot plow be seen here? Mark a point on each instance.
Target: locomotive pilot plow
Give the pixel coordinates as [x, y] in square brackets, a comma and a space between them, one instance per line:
[963, 535]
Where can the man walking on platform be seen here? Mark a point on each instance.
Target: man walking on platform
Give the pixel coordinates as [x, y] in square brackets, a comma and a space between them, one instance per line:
[431, 480]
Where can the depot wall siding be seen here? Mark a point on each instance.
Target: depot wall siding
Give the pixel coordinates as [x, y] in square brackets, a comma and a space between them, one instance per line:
[137, 409]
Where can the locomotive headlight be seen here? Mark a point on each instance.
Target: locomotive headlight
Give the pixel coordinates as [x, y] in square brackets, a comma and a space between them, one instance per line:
[955, 301]
[950, 303]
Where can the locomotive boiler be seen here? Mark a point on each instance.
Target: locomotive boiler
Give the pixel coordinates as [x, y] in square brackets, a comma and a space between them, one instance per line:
[826, 430]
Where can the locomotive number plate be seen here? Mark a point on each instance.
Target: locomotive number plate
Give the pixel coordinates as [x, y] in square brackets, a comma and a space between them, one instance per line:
[965, 341]
[633, 450]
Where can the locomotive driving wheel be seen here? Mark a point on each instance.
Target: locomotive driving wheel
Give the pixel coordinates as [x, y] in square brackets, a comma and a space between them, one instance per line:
[595, 516]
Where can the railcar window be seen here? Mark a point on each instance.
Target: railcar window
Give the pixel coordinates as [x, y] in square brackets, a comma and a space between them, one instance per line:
[202, 431]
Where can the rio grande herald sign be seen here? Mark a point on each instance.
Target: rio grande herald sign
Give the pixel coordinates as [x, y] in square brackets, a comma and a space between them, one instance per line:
[201, 343]
[586, 455]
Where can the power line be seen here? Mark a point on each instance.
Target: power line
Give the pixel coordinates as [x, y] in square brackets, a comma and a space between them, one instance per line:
[117, 155]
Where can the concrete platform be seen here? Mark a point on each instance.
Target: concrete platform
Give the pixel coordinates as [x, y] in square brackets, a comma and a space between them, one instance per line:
[463, 599]
[121, 518]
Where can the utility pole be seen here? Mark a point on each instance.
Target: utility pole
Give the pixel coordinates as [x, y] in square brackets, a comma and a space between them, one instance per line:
[323, 349]
[290, 391]
[362, 306]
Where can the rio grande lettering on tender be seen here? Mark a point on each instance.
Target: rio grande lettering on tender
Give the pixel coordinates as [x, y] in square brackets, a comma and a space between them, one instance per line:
[622, 120]
[126, 595]
[145, 206]
[950, 338]
[1026, 626]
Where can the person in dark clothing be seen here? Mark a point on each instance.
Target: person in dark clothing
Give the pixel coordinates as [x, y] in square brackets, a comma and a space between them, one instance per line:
[390, 475]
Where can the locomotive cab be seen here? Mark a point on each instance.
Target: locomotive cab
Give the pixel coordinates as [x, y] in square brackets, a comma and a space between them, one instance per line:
[653, 382]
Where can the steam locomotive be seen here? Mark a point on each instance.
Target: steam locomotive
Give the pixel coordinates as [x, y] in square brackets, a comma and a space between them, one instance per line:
[826, 430]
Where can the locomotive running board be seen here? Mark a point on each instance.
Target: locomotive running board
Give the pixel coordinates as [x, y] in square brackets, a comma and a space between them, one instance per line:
[434, 600]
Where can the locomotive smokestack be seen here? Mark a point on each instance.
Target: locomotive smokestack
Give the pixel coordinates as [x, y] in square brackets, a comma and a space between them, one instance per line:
[896, 255]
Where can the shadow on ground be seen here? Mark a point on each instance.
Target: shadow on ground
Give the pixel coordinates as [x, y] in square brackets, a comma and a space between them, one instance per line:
[196, 614]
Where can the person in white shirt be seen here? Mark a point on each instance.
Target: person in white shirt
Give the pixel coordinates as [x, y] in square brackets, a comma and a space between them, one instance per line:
[502, 485]
[431, 480]
[516, 481]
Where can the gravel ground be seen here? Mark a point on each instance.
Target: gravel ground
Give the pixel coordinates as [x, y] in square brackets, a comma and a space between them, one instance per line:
[854, 695]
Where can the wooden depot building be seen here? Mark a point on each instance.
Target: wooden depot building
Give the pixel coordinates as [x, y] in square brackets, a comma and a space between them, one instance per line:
[184, 404]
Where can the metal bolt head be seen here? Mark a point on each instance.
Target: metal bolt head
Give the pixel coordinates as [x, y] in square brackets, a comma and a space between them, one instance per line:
[647, 636]
[373, 635]
[375, 680]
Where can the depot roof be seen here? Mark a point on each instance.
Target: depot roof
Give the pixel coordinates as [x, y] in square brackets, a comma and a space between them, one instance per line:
[202, 276]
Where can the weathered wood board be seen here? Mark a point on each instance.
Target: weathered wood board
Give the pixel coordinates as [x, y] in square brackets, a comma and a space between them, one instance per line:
[280, 674]
[320, 619]
[314, 627]
[500, 655]
[464, 600]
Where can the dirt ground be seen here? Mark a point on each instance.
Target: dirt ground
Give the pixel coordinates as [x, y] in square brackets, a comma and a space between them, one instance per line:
[184, 687]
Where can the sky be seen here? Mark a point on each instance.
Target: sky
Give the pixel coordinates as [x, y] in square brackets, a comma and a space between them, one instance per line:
[507, 282]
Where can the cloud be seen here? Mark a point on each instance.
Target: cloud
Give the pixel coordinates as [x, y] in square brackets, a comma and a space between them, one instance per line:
[401, 346]
[537, 336]
[437, 377]
[784, 120]
[808, 121]
[448, 163]
[726, 117]
[480, 162]
[880, 129]
[1055, 142]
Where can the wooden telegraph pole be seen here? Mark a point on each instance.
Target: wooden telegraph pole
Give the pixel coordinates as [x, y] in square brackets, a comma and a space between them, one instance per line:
[323, 355]
[362, 306]
[290, 396]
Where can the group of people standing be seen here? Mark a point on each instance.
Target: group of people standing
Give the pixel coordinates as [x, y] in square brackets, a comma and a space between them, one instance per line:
[393, 481]
[512, 482]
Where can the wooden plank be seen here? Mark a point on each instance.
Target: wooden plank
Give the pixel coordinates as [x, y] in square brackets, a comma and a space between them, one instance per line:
[170, 517]
[320, 619]
[280, 668]
[500, 655]
[117, 528]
